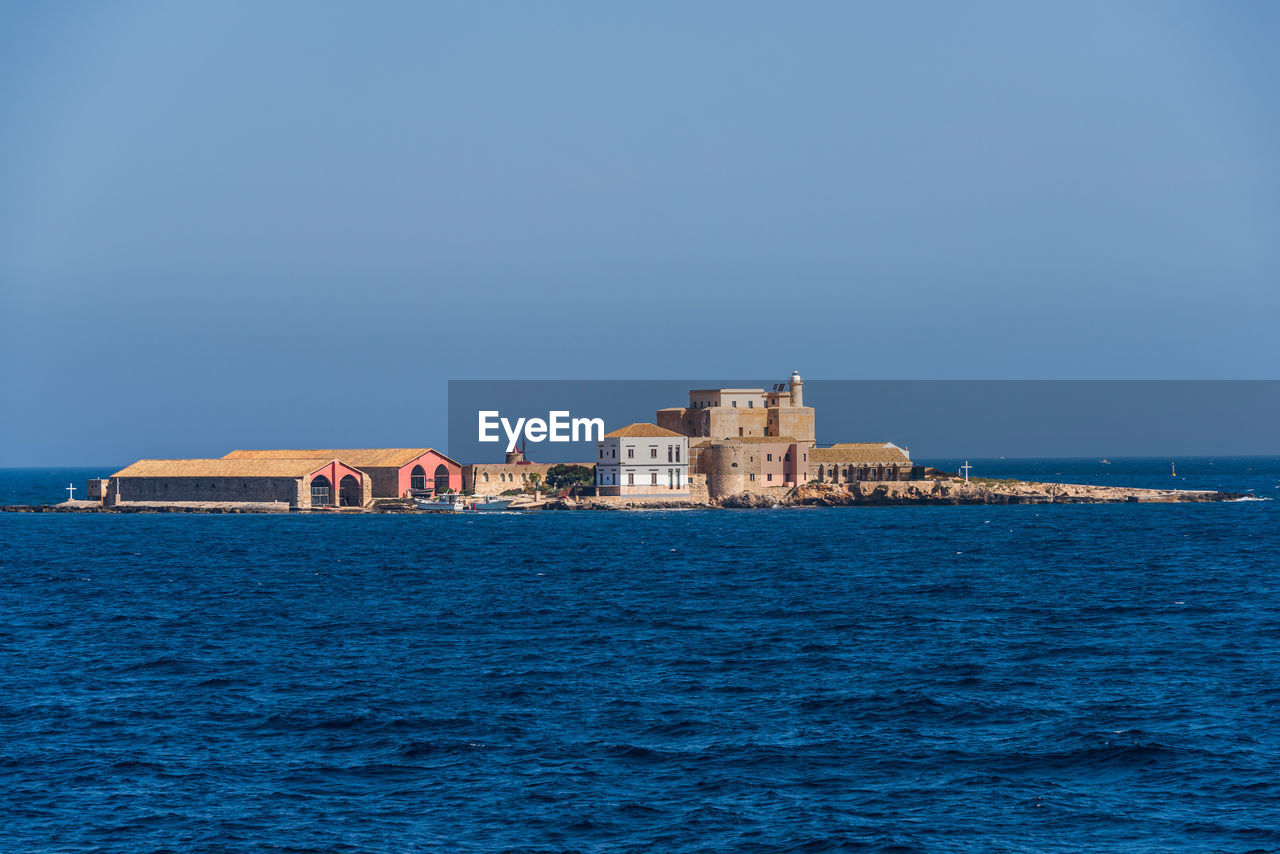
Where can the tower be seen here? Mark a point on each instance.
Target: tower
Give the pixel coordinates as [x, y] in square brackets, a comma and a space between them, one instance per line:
[797, 389]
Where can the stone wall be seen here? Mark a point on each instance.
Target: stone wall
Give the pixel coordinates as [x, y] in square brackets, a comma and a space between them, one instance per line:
[288, 490]
[726, 466]
[794, 421]
[859, 472]
[385, 481]
[698, 488]
[496, 478]
[97, 489]
[676, 500]
[728, 422]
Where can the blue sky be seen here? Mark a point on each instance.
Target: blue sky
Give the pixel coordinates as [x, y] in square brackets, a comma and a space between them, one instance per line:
[231, 224]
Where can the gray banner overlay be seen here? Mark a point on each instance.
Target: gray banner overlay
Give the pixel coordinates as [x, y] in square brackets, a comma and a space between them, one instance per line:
[935, 419]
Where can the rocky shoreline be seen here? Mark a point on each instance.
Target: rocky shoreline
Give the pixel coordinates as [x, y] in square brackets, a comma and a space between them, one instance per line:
[954, 491]
[929, 492]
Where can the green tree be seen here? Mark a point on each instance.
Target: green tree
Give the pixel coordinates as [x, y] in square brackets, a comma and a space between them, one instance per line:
[562, 476]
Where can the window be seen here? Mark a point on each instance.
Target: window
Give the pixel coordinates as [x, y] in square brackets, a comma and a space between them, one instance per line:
[769, 476]
[631, 453]
[739, 431]
[677, 453]
[485, 477]
[751, 404]
[653, 478]
[787, 457]
[631, 478]
[418, 478]
[653, 452]
[753, 477]
[768, 457]
[670, 454]
[671, 478]
[320, 491]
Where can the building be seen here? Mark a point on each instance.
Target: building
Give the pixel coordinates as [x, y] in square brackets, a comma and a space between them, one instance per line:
[847, 462]
[643, 460]
[303, 484]
[515, 472]
[746, 439]
[754, 464]
[394, 471]
[740, 413]
[756, 440]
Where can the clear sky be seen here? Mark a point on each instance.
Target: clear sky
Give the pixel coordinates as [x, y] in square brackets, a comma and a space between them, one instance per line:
[236, 224]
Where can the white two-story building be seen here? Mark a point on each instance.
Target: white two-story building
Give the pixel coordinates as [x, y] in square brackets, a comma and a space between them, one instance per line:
[643, 460]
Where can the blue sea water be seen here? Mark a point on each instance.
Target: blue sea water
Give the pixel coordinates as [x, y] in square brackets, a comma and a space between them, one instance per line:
[1020, 678]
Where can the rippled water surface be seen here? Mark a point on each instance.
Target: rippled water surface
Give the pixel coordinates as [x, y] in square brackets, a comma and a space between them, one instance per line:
[1021, 678]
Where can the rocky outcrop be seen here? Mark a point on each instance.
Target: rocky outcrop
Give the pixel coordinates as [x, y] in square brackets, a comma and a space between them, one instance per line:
[754, 500]
[956, 491]
[621, 504]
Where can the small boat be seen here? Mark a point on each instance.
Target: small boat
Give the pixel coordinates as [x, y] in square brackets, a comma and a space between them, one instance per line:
[490, 504]
[454, 503]
[1105, 461]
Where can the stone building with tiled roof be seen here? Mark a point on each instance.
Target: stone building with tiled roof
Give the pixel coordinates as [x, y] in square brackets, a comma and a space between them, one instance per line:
[302, 484]
[846, 462]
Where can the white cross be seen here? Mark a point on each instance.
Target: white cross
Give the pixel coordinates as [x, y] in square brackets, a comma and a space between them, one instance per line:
[965, 468]
[71, 492]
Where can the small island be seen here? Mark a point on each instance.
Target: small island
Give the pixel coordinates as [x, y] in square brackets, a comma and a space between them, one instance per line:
[727, 448]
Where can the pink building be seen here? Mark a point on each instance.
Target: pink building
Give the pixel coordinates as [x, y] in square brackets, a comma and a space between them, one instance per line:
[393, 471]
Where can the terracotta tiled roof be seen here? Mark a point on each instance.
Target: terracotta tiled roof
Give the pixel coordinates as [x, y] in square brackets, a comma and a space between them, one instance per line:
[643, 431]
[224, 468]
[876, 453]
[358, 457]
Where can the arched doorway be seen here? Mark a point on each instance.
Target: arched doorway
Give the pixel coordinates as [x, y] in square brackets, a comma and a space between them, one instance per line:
[418, 478]
[442, 478]
[320, 490]
[349, 492]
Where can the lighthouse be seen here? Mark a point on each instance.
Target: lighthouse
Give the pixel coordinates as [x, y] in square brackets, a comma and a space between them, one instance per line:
[797, 389]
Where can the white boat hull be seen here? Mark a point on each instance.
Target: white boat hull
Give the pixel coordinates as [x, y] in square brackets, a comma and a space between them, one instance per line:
[460, 504]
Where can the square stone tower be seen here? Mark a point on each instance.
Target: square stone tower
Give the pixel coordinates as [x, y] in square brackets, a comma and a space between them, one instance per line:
[739, 413]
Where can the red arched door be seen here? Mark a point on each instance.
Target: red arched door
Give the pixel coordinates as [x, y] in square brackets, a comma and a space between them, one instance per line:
[349, 492]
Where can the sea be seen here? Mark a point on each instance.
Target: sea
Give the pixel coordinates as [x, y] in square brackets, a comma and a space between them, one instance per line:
[1023, 678]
